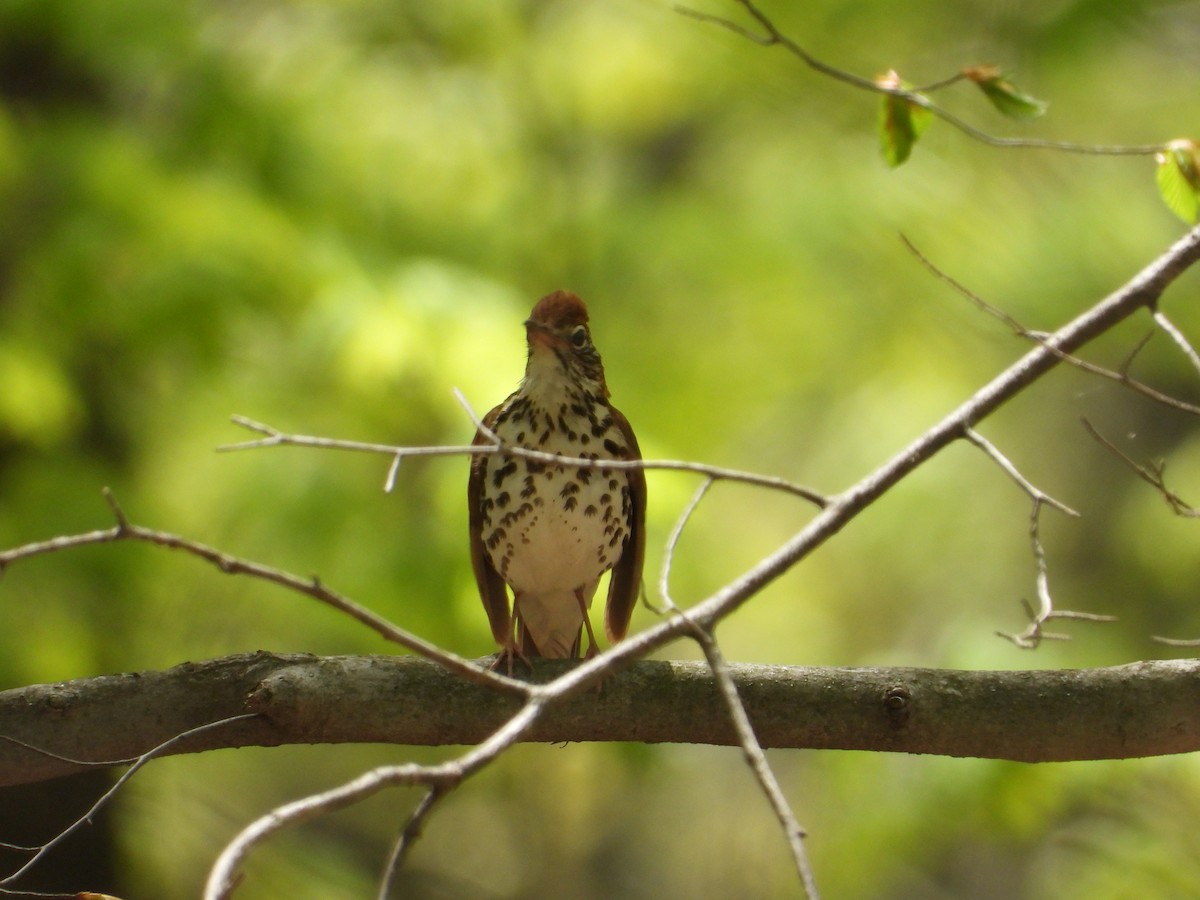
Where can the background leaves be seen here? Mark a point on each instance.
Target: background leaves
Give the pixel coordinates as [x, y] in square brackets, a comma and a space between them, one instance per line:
[325, 216]
[1179, 179]
[1004, 95]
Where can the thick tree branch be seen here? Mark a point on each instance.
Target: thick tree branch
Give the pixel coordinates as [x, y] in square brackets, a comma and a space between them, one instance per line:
[1141, 709]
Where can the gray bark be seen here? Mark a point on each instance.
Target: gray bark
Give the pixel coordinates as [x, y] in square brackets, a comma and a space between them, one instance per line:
[1135, 710]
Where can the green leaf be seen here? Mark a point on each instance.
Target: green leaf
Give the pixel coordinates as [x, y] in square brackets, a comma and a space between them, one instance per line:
[901, 120]
[1178, 178]
[1004, 95]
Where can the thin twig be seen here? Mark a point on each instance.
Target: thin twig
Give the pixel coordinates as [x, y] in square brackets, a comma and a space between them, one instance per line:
[1151, 474]
[223, 876]
[87, 817]
[277, 438]
[1176, 642]
[1177, 336]
[751, 749]
[475, 419]
[756, 759]
[393, 470]
[963, 290]
[664, 576]
[1035, 493]
[1120, 376]
[42, 751]
[772, 36]
[407, 837]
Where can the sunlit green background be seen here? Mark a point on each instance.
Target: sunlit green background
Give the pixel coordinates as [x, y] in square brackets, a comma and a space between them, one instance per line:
[326, 215]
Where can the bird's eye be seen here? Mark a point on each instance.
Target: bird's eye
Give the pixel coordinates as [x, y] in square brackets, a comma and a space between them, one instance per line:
[579, 337]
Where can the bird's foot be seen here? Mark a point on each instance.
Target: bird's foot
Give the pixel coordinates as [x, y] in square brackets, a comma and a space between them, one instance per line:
[505, 657]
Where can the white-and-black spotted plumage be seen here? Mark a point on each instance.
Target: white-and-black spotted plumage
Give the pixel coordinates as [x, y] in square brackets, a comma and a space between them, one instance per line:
[551, 531]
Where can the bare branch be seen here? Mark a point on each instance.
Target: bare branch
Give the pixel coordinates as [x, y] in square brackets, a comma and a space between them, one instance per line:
[1032, 637]
[964, 291]
[1176, 642]
[446, 776]
[86, 819]
[232, 565]
[1177, 336]
[757, 760]
[1038, 496]
[751, 749]
[476, 420]
[1120, 376]
[277, 438]
[407, 837]
[393, 470]
[664, 577]
[1152, 474]
[223, 877]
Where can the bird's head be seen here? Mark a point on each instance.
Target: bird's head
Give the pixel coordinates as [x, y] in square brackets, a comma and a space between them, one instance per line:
[558, 337]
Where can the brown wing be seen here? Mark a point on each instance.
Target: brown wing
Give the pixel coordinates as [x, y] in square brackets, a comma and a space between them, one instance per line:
[492, 590]
[626, 583]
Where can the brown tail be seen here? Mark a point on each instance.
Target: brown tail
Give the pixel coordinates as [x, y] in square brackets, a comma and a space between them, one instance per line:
[527, 646]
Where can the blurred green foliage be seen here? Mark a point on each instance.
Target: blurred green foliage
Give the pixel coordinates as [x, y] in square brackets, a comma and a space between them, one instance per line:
[325, 215]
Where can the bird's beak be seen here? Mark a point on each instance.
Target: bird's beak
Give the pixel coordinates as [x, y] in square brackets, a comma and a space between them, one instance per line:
[537, 333]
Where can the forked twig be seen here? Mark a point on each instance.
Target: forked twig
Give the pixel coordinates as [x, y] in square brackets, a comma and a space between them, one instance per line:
[312, 587]
[1032, 637]
[1036, 494]
[1152, 474]
[444, 777]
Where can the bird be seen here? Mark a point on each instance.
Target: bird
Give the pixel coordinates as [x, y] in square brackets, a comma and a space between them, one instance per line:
[551, 531]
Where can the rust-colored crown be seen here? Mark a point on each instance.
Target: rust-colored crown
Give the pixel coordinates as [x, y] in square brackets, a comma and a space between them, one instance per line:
[559, 311]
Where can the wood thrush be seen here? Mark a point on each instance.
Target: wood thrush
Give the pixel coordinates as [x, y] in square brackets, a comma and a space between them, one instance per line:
[551, 531]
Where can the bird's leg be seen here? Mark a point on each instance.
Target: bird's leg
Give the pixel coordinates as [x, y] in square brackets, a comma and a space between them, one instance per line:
[512, 646]
[591, 650]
